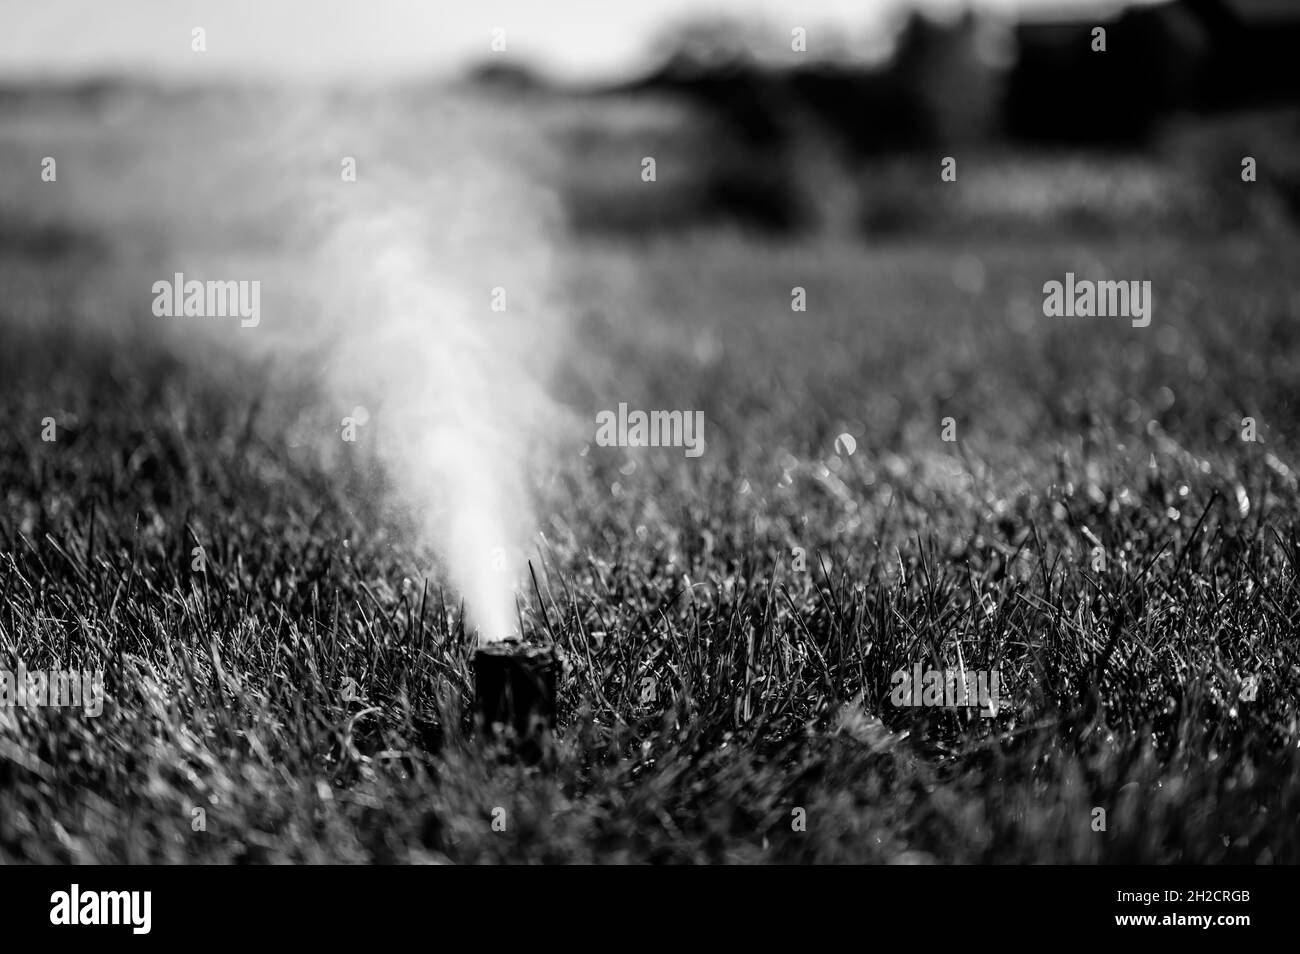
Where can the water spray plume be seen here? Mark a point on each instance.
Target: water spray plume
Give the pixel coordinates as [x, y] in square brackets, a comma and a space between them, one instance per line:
[423, 287]
[447, 265]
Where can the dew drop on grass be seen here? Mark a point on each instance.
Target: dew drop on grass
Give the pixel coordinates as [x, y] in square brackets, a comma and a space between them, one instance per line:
[845, 445]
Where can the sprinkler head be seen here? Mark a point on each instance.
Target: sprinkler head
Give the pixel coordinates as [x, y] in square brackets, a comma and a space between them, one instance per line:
[514, 692]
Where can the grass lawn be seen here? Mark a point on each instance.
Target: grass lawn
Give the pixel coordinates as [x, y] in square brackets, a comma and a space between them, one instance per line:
[1098, 532]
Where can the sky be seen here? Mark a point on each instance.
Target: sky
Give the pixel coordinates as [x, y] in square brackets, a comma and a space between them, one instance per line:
[333, 39]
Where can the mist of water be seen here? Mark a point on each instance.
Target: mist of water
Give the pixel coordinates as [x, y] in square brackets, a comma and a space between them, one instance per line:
[398, 273]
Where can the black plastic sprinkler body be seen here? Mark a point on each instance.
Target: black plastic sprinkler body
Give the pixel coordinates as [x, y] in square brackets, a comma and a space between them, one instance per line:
[514, 692]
